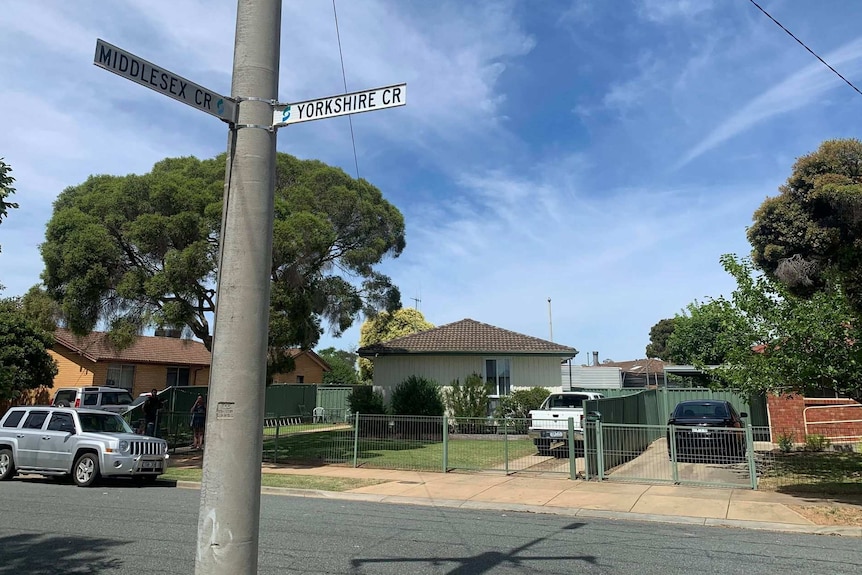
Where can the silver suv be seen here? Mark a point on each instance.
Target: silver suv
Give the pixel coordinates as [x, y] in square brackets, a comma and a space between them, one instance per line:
[107, 398]
[84, 443]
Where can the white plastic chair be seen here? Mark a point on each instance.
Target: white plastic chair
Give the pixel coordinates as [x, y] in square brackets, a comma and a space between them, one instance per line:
[318, 415]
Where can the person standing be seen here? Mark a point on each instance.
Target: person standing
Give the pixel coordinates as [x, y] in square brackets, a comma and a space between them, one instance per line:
[151, 413]
[199, 416]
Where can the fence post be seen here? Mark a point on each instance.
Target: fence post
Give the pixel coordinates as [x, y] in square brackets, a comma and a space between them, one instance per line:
[445, 444]
[600, 446]
[749, 452]
[674, 470]
[573, 468]
[275, 451]
[506, 441]
[355, 438]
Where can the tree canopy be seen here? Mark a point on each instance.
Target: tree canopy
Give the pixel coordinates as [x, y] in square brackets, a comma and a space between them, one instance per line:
[6, 189]
[141, 251]
[24, 360]
[343, 364]
[386, 326]
[658, 335]
[810, 236]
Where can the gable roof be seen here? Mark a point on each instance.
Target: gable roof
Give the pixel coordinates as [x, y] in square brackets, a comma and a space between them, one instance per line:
[467, 337]
[95, 346]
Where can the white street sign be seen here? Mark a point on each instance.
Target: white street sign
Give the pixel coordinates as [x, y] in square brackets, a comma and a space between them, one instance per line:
[156, 78]
[353, 103]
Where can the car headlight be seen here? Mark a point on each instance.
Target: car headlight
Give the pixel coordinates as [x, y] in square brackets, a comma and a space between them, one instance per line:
[124, 446]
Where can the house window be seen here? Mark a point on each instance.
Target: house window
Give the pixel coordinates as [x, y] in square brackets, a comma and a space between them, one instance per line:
[122, 376]
[300, 379]
[177, 377]
[498, 372]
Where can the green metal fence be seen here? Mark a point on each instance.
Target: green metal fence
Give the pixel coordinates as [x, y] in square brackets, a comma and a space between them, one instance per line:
[333, 397]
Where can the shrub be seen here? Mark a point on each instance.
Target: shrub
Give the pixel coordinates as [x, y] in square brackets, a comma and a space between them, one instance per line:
[785, 442]
[816, 442]
[469, 399]
[417, 396]
[519, 404]
[365, 401]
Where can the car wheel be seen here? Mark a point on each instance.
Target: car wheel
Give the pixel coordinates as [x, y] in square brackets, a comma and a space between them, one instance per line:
[7, 464]
[86, 470]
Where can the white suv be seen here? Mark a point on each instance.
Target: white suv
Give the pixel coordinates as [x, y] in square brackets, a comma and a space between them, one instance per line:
[106, 398]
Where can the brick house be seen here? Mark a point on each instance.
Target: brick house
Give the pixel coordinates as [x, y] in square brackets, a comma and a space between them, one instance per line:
[796, 416]
[152, 362]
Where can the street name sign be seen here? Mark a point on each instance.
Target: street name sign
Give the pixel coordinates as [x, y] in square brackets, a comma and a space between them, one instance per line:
[341, 105]
[145, 73]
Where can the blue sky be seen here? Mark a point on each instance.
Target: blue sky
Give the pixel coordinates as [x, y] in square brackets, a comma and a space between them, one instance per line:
[603, 154]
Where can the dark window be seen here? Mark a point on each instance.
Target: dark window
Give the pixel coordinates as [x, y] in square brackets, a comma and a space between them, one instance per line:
[116, 398]
[566, 401]
[35, 419]
[120, 375]
[701, 410]
[177, 377]
[300, 379]
[61, 422]
[67, 396]
[91, 398]
[14, 418]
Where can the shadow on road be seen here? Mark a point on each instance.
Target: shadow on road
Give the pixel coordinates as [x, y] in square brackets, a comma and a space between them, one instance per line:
[37, 554]
[483, 562]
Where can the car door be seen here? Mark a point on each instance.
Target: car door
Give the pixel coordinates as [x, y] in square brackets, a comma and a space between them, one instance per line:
[56, 443]
[29, 437]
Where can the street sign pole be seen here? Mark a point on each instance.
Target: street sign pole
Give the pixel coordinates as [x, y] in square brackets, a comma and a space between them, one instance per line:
[229, 520]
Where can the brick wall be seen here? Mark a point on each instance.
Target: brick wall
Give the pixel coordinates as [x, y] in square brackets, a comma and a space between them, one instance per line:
[788, 415]
[304, 366]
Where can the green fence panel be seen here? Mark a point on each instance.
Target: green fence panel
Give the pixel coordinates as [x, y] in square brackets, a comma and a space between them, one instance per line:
[334, 397]
[290, 399]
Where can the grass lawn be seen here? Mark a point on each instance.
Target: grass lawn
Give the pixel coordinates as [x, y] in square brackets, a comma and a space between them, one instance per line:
[827, 473]
[283, 480]
[337, 446]
[303, 428]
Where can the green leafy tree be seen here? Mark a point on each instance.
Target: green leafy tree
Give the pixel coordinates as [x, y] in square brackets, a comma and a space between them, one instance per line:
[706, 332]
[24, 360]
[343, 364]
[468, 399]
[387, 326]
[417, 396]
[788, 343]
[6, 189]
[809, 237]
[365, 401]
[658, 335]
[141, 251]
[40, 308]
[519, 404]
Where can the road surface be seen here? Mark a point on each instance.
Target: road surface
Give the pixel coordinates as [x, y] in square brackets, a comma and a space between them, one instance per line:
[50, 527]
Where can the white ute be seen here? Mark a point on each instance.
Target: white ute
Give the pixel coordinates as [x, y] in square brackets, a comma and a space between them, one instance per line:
[549, 425]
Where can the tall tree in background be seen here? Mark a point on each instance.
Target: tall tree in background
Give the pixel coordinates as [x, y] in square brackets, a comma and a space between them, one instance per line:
[139, 251]
[706, 332]
[6, 190]
[386, 327]
[658, 335]
[24, 360]
[810, 236]
[343, 364]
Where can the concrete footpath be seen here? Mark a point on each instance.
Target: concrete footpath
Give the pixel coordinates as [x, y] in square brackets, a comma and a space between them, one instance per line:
[742, 508]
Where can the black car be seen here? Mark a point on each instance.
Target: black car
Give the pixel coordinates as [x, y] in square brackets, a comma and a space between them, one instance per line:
[707, 431]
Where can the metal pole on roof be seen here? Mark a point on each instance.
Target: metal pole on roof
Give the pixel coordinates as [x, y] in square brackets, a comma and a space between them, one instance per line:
[550, 322]
[229, 518]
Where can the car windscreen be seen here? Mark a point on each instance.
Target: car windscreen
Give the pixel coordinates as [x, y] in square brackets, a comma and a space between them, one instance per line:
[701, 410]
[565, 401]
[116, 398]
[103, 423]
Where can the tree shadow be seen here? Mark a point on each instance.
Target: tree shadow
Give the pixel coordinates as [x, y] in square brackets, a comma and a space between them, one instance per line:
[37, 554]
[483, 562]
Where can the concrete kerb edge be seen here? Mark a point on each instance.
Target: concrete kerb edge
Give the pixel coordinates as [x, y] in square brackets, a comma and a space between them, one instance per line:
[840, 530]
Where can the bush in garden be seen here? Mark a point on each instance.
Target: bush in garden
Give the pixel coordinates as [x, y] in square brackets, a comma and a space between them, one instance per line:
[520, 402]
[417, 396]
[469, 399]
[365, 401]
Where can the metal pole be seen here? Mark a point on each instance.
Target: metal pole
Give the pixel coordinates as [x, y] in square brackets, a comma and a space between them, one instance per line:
[674, 469]
[229, 520]
[445, 444]
[506, 442]
[749, 453]
[573, 465]
[356, 440]
[550, 322]
[600, 450]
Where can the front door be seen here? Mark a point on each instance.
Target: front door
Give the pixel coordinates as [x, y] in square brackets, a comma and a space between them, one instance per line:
[56, 443]
[29, 437]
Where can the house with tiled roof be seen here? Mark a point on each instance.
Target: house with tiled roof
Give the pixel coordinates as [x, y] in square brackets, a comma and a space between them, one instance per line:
[158, 362]
[507, 359]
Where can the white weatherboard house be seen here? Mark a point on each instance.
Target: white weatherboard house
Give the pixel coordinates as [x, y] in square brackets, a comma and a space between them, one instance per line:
[507, 359]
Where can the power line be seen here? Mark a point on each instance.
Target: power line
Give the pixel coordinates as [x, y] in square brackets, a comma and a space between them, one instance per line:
[801, 43]
[344, 77]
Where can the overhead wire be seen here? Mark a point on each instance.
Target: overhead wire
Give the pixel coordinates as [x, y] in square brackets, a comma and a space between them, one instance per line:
[344, 78]
[801, 43]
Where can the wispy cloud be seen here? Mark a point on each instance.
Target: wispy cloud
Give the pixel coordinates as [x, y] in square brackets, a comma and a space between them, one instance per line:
[800, 89]
[663, 11]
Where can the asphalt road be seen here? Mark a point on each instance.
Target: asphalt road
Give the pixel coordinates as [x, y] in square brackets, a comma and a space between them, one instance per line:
[48, 527]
